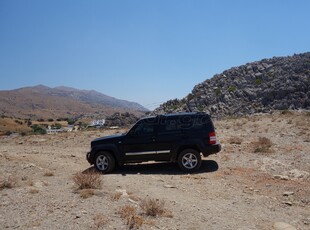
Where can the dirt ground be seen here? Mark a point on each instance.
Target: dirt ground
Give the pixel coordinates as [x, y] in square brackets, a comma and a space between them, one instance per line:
[260, 177]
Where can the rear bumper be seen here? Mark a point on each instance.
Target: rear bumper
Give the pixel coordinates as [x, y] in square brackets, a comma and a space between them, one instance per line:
[212, 149]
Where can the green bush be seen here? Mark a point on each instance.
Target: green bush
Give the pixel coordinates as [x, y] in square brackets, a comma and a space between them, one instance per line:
[258, 81]
[217, 91]
[57, 126]
[37, 129]
[232, 88]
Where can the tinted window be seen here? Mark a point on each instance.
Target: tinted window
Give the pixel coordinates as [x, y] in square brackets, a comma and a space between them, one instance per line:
[143, 129]
[193, 122]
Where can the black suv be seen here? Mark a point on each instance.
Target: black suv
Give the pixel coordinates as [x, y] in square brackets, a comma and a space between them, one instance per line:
[172, 138]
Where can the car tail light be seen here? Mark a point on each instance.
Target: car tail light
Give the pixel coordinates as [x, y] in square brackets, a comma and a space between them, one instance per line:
[212, 138]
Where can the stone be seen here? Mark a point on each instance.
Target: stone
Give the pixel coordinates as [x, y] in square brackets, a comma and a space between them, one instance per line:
[283, 226]
[122, 191]
[298, 174]
[281, 177]
[288, 203]
[287, 193]
[169, 186]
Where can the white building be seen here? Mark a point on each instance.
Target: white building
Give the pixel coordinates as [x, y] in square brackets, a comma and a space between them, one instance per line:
[97, 123]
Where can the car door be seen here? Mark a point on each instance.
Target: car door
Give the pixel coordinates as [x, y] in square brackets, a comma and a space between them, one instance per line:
[167, 137]
[140, 142]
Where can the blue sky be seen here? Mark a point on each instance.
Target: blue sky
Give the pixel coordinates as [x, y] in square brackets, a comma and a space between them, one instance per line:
[146, 51]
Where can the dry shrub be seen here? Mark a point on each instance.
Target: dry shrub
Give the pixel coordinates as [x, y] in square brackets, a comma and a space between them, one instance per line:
[49, 173]
[286, 112]
[225, 158]
[116, 196]
[86, 193]
[153, 207]
[100, 220]
[34, 191]
[87, 180]
[235, 140]
[8, 183]
[133, 220]
[263, 145]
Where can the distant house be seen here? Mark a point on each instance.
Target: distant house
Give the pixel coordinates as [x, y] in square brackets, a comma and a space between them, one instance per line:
[54, 131]
[97, 123]
[69, 128]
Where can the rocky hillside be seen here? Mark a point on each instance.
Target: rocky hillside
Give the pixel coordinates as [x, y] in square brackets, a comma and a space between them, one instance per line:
[277, 83]
[45, 102]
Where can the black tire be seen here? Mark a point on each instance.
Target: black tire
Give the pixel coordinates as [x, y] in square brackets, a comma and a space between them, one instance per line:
[104, 162]
[189, 160]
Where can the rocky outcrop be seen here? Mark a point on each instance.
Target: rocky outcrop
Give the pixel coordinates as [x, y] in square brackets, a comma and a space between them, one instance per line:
[121, 120]
[277, 83]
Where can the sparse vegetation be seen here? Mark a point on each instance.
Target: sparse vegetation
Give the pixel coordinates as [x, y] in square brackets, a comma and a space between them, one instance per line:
[87, 180]
[34, 191]
[100, 220]
[232, 88]
[153, 207]
[8, 183]
[18, 122]
[116, 196]
[217, 91]
[129, 214]
[235, 140]
[258, 81]
[37, 129]
[49, 173]
[263, 145]
[286, 112]
[86, 193]
[57, 126]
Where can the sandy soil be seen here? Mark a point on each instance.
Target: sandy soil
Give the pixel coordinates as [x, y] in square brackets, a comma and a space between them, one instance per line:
[242, 187]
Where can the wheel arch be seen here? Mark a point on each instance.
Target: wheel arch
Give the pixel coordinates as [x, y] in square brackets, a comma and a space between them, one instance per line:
[190, 146]
[111, 149]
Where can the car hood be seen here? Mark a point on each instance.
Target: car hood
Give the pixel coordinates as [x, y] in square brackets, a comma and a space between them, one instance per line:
[108, 139]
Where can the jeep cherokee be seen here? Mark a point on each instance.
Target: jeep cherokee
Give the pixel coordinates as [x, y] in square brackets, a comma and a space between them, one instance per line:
[177, 138]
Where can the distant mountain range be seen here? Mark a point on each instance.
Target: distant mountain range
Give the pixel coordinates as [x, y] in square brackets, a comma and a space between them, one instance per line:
[277, 83]
[60, 102]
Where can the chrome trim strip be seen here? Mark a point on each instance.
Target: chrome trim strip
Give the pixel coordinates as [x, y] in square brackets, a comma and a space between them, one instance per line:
[147, 153]
[140, 153]
[163, 151]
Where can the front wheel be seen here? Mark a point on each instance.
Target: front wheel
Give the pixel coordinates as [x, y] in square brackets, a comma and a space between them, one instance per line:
[189, 160]
[104, 162]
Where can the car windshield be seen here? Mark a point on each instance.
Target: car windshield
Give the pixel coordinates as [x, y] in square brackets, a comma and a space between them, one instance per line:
[126, 132]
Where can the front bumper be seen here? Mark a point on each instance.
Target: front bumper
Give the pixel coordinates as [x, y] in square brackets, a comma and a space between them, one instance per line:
[88, 157]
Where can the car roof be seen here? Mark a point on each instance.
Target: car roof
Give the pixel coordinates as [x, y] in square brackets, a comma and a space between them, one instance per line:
[183, 114]
[176, 115]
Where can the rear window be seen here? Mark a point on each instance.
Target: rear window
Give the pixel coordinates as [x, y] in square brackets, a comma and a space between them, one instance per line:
[190, 122]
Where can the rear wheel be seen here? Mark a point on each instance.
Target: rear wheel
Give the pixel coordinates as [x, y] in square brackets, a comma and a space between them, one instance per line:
[189, 160]
[104, 162]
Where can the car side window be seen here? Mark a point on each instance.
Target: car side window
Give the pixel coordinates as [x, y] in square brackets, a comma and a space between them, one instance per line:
[143, 129]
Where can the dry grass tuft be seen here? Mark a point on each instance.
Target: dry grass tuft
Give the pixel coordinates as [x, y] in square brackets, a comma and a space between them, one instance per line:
[235, 140]
[100, 220]
[34, 191]
[49, 173]
[87, 180]
[86, 193]
[133, 220]
[286, 112]
[116, 196]
[8, 183]
[263, 145]
[154, 207]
